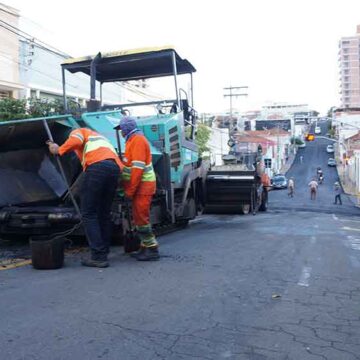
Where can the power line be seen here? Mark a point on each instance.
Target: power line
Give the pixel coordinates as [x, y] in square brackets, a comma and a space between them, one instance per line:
[45, 47]
[17, 32]
[8, 12]
[31, 38]
[53, 50]
[230, 94]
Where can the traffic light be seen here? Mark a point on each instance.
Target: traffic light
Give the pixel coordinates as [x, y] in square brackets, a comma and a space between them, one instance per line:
[310, 137]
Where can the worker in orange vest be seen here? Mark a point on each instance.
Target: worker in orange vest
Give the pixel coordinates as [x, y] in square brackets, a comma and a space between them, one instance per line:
[139, 185]
[101, 165]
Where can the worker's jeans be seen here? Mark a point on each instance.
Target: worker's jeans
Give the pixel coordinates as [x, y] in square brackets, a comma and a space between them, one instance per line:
[99, 188]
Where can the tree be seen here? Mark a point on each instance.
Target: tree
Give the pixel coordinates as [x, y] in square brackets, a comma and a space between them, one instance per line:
[330, 111]
[296, 141]
[202, 138]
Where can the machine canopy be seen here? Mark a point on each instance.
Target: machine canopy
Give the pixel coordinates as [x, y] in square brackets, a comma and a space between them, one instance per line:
[131, 64]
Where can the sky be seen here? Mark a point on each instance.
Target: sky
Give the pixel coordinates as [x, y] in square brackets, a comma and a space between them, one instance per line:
[283, 50]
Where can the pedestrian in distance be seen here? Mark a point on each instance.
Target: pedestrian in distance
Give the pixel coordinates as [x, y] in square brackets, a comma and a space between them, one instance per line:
[319, 172]
[313, 185]
[139, 182]
[101, 166]
[338, 191]
[301, 159]
[291, 187]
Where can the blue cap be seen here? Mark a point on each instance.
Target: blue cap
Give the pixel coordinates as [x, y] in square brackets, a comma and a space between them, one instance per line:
[127, 124]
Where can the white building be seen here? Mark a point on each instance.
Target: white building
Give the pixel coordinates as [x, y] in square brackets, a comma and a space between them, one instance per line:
[218, 144]
[9, 53]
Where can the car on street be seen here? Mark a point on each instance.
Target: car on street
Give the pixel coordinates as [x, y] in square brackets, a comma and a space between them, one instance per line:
[331, 162]
[330, 149]
[317, 130]
[279, 181]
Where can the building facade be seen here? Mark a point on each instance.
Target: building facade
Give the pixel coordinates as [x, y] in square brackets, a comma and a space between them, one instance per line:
[40, 76]
[30, 68]
[349, 62]
[9, 53]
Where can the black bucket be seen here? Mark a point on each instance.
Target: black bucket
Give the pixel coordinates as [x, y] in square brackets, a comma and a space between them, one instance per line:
[47, 252]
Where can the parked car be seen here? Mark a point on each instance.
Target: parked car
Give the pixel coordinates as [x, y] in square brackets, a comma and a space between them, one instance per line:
[317, 130]
[279, 181]
[330, 149]
[331, 162]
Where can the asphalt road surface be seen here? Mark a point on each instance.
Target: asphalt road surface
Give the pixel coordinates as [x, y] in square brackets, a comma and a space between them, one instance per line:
[314, 155]
[279, 285]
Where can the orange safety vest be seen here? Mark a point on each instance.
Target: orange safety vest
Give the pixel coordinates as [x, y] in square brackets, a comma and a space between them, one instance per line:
[138, 174]
[90, 147]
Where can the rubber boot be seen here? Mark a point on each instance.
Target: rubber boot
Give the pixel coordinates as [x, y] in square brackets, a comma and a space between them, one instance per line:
[95, 263]
[148, 254]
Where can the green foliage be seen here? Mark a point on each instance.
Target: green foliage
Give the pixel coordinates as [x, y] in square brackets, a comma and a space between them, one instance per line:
[331, 132]
[296, 141]
[11, 109]
[17, 109]
[44, 107]
[202, 138]
[330, 111]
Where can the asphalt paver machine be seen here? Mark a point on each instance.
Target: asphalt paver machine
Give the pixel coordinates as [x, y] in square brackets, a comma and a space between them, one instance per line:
[35, 197]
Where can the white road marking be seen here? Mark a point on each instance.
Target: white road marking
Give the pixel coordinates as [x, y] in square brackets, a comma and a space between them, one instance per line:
[350, 220]
[349, 228]
[354, 242]
[335, 217]
[305, 276]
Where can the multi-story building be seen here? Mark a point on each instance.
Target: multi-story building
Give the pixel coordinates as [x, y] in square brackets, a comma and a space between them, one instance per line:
[349, 61]
[9, 52]
[278, 110]
[30, 68]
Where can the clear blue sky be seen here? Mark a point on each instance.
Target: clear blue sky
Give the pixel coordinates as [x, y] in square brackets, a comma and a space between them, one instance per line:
[285, 51]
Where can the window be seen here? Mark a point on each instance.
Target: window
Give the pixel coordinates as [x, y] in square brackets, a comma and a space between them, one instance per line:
[4, 94]
[267, 163]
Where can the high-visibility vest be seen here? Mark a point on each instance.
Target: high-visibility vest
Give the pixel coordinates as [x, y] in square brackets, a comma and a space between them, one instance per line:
[90, 147]
[94, 142]
[138, 174]
[147, 175]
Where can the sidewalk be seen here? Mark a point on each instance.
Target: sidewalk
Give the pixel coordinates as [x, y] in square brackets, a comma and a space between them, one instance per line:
[288, 164]
[354, 199]
[348, 187]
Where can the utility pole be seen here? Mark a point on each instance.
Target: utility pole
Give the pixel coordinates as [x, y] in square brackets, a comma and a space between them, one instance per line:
[231, 94]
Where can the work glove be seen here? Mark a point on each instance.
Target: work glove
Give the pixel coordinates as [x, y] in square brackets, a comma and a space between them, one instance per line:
[53, 147]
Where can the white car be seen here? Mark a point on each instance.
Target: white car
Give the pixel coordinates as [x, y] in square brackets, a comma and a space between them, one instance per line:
[317, 130]
[330, 149]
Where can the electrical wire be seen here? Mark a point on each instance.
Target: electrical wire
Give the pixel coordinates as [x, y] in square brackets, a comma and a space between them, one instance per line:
[38, 71]
[130, 87]
[31, 38]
